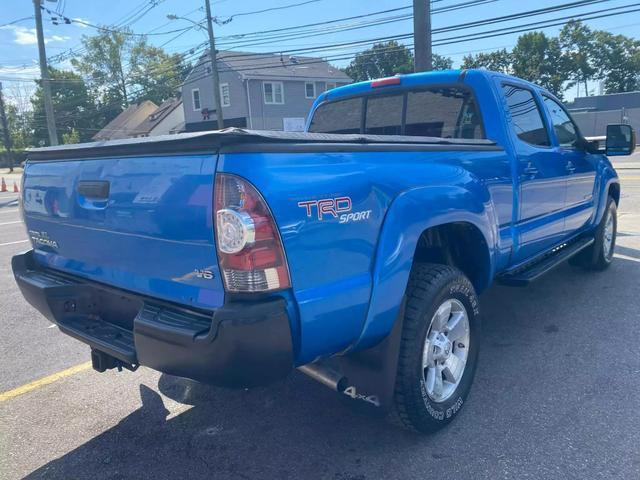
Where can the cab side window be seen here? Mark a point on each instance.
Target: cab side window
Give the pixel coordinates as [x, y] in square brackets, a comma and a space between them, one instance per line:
[526, 116]
[563, 126]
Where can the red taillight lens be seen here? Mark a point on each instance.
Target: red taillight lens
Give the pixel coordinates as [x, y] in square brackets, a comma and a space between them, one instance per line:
[383, 82]
[249, 248]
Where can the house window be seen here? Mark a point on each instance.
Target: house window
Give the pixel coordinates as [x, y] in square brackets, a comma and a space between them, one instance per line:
[225, 98]
[273, 93]
[331, 85]
[195, 96]
[310, 90]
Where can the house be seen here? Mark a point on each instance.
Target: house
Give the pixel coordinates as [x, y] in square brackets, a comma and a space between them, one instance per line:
[125, 124]
[167, 118]
[593, 114]
[258, 90]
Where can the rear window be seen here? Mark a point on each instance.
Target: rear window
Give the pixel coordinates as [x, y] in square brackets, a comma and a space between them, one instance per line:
[446, 112]
[343, 116]
[384, 115]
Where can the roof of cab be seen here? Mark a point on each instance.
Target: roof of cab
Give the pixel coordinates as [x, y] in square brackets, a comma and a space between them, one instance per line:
[417, 79]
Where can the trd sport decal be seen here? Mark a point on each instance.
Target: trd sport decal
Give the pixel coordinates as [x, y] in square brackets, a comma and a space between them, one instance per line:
[339, 207]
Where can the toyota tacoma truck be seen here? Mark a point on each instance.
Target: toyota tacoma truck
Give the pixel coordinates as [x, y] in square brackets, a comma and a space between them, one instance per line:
[353, 252]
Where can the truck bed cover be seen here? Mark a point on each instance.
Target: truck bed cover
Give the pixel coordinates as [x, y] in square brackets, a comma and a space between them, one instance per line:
[240, 139]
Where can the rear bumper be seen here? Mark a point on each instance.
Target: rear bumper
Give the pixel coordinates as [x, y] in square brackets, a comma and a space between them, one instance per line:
[240, 344]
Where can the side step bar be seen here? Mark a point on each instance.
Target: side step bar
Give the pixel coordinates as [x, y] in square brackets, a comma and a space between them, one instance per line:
[527, 273]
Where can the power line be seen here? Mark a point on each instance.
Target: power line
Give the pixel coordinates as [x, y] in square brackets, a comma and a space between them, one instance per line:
[529, 13]
[458, 39]
[17, 21]
[342, 46]
[461, 38]
[323, 30]
[449, 28]
[265, 10]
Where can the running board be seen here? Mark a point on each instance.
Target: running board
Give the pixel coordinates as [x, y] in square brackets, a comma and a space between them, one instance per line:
[527, 273]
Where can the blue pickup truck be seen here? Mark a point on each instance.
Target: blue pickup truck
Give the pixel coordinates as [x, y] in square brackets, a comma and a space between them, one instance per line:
[353, 252]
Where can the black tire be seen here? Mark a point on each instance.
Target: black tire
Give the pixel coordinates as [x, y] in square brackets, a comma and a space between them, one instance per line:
[430, 286]
[598, 256]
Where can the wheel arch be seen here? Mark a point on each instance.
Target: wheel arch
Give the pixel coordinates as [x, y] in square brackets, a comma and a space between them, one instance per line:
[457, 244]
[614, 192]
[449, 208]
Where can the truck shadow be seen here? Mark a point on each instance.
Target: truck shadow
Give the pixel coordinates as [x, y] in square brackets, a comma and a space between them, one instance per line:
[299, 429]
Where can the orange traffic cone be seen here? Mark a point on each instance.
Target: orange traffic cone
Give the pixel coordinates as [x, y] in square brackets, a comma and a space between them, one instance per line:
[15, 188]
[3, 186]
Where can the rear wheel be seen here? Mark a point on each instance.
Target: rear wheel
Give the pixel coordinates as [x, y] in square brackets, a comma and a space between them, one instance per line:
[439, 348]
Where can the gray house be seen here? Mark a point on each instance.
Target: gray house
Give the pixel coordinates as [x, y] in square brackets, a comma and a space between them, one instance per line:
[258, 90]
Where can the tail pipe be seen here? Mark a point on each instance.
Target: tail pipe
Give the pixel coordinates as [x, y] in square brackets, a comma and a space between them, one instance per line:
[326, 375]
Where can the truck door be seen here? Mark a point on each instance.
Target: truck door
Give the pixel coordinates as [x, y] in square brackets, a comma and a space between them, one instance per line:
[580, 166]
[541, 174]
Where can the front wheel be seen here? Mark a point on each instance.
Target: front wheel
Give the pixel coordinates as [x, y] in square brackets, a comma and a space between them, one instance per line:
[439, 347]
[600, 254]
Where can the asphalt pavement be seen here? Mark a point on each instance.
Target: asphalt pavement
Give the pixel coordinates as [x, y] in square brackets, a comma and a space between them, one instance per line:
[557, 395]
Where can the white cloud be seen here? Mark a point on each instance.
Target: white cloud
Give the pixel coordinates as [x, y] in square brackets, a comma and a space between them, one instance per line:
[81, 25]
[27, 36]
[58, 38]
[20, 71]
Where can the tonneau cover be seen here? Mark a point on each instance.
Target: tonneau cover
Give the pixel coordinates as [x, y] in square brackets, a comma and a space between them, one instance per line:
[216, 139]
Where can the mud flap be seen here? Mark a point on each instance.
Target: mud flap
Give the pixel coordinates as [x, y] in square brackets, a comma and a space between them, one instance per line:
[371, 373]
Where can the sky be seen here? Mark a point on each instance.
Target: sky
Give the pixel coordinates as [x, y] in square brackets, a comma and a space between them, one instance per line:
[19, 53]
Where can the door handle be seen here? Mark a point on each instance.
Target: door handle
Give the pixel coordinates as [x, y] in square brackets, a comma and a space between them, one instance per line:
[94, 189]
[530, 170]
[570, 167]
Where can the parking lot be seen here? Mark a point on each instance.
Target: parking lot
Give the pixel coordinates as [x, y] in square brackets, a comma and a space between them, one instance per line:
[556, 395]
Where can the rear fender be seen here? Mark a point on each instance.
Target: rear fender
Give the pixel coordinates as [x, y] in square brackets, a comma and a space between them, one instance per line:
[410, 214]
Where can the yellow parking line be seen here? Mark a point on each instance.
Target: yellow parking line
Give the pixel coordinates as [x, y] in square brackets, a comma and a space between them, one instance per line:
[44, 381]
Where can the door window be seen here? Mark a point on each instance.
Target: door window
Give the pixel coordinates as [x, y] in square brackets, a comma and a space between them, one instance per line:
[563, 126]
[526, 116]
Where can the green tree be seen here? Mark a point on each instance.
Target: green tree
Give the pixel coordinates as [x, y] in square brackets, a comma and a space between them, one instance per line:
[121, 68]
[157, 74]
[382, 60]
[387, 59]
[441, 62]
[497, 61]
[104, 65]
[577, 43]
[539, 59]
[73, 106]
[617, 62]
[20, 127]
[72, 136]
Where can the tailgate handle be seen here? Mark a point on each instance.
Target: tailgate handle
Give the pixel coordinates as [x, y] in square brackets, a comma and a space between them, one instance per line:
[94, 189]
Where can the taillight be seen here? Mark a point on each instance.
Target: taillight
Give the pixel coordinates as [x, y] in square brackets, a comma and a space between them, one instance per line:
[249, 248]
[383, 82]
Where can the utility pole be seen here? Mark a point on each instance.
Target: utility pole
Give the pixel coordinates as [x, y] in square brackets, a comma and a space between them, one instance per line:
[422, 35]
[214, 67]
[44, 75]
[5, 129]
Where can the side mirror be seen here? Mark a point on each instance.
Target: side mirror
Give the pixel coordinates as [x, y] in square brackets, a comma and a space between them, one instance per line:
[621, 140]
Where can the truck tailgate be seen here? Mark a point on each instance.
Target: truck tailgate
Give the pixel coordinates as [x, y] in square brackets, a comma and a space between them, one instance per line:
[143, 224]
